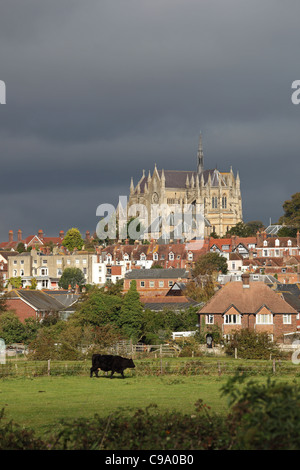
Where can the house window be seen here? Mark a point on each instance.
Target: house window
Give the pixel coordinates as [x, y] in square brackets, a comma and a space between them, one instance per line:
[68, 261]
[142, 283]
[264, 319]
[277, 242]
[265, 243]
[214, 202]
[224, 202]
[161, 283]
[155, 256]
[59, 272]
[15, 273]
[289, 243]
[170, 283]
[171, 256]
[15, 261]
[22, 261]
[233, 319]
[209, 319]
[287, 319]
[22, 272]
[265, 252]
[44, 271]
[44, 261]
[58, 261]
[77, 261]
[151, 283]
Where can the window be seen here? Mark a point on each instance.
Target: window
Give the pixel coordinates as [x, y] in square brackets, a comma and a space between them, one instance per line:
[190, 256]
[170, 283]
[15, 273]
[287, 319]
[84, 260]
[161, 283]
[171, 256]
[289, 243]
[77, 261]
[44, 271]
[277, 242]
[265, 243]
[155, 256]
[22, 272]
[59, 272]
[151, 283]
[142, 283]
[233, 319]
[44, 261]
[224, 202]
[15, 261]
[59, 261]
[214, 202]
[264, 319]
[68, 261]
[22, 261]
[209, 319]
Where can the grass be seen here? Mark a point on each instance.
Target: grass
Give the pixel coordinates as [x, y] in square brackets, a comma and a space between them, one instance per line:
[39, 402]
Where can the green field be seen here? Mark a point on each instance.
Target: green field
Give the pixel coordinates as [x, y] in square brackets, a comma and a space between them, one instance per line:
[36, 402]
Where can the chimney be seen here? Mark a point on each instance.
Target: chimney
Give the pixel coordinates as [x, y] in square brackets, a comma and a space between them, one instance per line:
[246, 280]
[40, 233]
[61, 234]
[19, 235]
[10, 236]
[87, 235]
[298, 239]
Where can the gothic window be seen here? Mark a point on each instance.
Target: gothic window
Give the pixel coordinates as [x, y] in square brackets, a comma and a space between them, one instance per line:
[214, 202]
[224, 202]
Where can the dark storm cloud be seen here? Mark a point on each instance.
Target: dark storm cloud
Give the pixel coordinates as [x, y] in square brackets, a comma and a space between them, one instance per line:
[97, 91]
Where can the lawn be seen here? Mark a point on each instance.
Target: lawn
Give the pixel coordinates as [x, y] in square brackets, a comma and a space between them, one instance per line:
[35, 403]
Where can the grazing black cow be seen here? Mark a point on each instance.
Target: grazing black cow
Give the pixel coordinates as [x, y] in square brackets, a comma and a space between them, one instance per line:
[110, 362]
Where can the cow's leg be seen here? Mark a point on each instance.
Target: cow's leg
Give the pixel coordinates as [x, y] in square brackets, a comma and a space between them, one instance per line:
[122, 372]
[112, 373]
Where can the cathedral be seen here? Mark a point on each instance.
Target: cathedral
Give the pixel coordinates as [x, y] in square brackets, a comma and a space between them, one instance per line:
[218, 194]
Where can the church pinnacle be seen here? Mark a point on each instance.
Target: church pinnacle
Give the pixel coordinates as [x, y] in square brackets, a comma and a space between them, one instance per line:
[200, 156]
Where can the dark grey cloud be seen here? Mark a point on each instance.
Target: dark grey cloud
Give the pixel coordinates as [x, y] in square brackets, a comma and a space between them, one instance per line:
[99, 90]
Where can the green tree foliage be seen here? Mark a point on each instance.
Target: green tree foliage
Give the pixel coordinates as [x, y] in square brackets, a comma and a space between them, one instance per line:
[15, 282]
[287, 232]
[291, 209]
[71, 276]
[131, 313]
[209, 264]
[73, 240]
[12, 330]
[251, 345]
[98, 308]
[243, 230]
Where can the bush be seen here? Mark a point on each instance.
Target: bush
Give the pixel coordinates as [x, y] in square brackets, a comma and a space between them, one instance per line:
[264, 416]
[251, 345]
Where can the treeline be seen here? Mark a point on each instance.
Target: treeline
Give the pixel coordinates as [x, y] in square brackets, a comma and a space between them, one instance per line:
[102, 317]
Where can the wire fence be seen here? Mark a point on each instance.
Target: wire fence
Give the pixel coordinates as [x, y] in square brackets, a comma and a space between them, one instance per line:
[152, 367]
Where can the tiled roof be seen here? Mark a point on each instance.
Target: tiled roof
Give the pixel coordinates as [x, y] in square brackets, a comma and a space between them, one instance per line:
[246, 300]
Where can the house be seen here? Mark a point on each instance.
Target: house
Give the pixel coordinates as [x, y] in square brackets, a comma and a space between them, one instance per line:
[32, 304]
[253, 305]
[38, 240]
[154, 282]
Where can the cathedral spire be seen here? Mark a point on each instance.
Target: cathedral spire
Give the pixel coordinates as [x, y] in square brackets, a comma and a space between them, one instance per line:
[200, 156]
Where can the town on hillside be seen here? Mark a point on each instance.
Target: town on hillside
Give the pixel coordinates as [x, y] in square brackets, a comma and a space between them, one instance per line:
[237, 275]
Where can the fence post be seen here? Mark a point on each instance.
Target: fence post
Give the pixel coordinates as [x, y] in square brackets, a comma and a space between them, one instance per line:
[219, 368]
[235, 353]
[274, 366]
[49, 370]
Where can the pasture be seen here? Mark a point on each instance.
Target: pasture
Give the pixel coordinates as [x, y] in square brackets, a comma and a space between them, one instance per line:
[37, 398]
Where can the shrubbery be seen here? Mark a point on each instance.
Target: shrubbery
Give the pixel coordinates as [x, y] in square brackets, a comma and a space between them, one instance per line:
[251, 345]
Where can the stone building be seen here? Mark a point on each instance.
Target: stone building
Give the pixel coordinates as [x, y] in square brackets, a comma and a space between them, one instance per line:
[214, 194]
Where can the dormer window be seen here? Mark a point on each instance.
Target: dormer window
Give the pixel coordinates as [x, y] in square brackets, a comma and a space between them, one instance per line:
[171, 256]
[155, 256]
[277, 242]
[265, 243]
[143, 257]
[289, 243]
[190, 256]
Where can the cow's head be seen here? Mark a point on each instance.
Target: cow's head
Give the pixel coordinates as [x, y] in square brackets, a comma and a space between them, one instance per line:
[131, 364]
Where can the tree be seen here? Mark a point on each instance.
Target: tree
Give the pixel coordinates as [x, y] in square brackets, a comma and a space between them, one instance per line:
[12, 329]
[287, 232]
[241, 230]
[291, 209]
[131, 314]
[73, 240]
[210, 263]
[15, 282]
[71, 276]
[98, 308]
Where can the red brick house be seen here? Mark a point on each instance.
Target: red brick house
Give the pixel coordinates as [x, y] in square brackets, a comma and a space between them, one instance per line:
[154, 282]
[32, 304]
[253, 305]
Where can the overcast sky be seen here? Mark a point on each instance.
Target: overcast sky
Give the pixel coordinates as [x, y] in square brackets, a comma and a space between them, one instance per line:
[97, 91]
